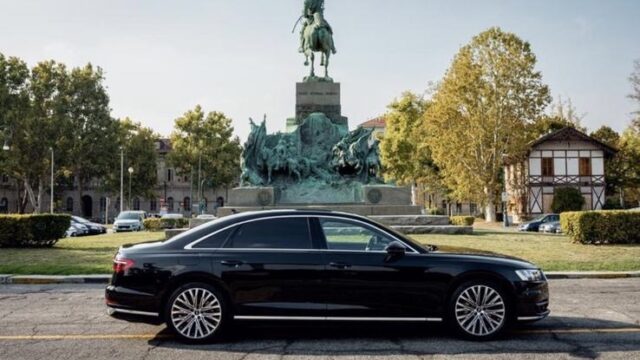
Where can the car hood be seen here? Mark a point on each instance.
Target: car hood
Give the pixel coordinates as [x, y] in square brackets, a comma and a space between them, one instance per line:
[483, 255]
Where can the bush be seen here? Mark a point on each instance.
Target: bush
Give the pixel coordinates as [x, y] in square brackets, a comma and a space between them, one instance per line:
[602, 227]
[37, 230]
[155, 224]
[567, 199]
[462, 220]
[435, 211]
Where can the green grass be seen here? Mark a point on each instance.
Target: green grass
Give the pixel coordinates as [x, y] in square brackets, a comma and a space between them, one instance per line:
[551, 252]
[71, 256]
[93, 254]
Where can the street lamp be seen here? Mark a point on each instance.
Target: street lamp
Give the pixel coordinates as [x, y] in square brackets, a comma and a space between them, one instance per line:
[130, 170]
[121, 177]
[52, 164]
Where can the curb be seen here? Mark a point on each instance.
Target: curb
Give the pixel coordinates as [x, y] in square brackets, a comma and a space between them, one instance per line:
[54, 279]
[104, 279]
[592, 274]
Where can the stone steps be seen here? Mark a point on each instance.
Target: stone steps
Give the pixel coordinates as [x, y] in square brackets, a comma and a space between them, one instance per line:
[412, 220]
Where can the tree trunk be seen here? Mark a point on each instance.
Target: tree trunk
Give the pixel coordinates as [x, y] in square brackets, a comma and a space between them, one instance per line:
[490, 207]
[32, 197]
[40, 193]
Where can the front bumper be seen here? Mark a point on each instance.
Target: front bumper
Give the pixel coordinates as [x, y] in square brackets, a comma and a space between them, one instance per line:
[532, 300]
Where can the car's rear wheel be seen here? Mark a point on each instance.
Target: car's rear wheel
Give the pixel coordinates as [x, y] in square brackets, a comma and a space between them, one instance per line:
[197, 312]
[479, 310]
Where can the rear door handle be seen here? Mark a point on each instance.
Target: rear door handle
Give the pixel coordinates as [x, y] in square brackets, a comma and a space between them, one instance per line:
[339, 265]
[232, 263]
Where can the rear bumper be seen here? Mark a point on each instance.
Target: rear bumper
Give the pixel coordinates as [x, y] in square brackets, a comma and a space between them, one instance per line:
[124, 301]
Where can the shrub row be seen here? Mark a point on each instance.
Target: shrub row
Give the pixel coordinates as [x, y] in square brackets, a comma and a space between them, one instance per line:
[155, 224]
[37, 230]
[602, 227]
[462, 220]
[435, 211]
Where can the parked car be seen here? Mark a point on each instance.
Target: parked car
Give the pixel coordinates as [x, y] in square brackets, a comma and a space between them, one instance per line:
[551, 227]
[534, 224]
[318, 266]
[76, 229]
[206, 217]
[129, 221]
[172, 216]
[94, 228]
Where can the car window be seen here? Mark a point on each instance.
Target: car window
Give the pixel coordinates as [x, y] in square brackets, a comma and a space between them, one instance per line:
[347, 235]
[216, 240]
[279, 233]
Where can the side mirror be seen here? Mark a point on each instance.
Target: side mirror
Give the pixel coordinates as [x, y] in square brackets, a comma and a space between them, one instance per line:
[395, 250]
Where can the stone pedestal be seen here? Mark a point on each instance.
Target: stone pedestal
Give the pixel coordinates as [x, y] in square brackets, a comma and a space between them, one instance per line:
[386, 195]
[317, 96]
[252, 196]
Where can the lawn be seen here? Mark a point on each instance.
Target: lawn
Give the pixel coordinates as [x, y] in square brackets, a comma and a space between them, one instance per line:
[70, 256]
[93, 255]
[551, 252]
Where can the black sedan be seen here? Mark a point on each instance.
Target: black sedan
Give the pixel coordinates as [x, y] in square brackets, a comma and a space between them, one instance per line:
[94, 228]
[534, 225]
[318, 266]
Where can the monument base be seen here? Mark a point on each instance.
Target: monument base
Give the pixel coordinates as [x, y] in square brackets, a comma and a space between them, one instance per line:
[252, 196]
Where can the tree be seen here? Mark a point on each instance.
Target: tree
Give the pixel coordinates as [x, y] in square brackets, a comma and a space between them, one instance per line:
[628, 162]
[547, 124]
[564, 111]
[92, 139]
[480, 114]
[606, 135]
[14, 99]
[206, 142]
[41, 128]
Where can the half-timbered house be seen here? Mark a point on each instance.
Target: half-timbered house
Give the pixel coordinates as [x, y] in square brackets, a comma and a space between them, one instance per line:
[562, 158]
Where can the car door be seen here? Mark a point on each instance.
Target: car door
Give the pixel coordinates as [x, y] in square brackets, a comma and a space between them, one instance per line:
[361, 279]
[271, 268]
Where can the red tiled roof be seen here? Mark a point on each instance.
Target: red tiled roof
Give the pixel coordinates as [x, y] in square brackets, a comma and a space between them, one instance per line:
[378, 122]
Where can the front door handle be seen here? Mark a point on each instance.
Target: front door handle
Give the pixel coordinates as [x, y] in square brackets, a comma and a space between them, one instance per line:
[232, 263]
[339, 265]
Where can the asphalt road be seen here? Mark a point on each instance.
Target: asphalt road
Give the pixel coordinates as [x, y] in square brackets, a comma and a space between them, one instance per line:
[590, 319]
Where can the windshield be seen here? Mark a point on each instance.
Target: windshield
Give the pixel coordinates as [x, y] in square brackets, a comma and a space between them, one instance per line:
[128, 216]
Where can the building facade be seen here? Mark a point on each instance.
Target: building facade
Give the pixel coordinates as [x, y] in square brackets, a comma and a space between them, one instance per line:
[173, 194]
[564, 158]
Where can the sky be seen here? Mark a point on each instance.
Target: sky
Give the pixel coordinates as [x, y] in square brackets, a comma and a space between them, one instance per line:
[162, 58]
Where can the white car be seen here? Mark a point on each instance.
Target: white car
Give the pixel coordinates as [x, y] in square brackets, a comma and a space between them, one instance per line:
[172, 216]
[129, 221]
[206, 217]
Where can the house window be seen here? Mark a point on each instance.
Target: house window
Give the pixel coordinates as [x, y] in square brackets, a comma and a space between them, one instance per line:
[473, 208]
[70, 204]
[4, 205]
[153, 205]
[169, 175]
[170, 204]
[187, 203]
[547, 166]
[585, 166]
[458, 208]
[5, 178]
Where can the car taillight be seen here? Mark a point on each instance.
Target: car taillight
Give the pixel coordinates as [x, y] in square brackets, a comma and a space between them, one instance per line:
[122, 264]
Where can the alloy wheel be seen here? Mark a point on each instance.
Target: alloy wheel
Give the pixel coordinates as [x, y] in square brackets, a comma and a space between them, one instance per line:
[196, 313]
[480, 310]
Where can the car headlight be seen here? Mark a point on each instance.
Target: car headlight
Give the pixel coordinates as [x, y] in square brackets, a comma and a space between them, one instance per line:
[530, 275]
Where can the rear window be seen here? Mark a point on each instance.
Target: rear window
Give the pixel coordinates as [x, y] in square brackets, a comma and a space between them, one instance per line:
[280, 233]
[216, 240]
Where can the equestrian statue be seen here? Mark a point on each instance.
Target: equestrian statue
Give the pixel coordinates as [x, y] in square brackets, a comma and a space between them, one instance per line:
[316, 36]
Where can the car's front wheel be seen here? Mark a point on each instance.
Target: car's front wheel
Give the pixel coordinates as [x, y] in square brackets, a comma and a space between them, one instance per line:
[479, 310]
[197, 312]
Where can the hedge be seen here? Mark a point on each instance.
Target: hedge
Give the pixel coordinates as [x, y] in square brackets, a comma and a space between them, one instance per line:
[462, 220]
[435, 211]
[36, 230]
[602, 227]
[156, 224]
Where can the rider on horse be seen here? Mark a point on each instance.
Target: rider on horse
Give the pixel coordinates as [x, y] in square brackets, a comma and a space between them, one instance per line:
[312, 7]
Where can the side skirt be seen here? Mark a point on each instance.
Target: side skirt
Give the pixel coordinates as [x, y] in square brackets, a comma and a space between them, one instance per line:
[334, 318]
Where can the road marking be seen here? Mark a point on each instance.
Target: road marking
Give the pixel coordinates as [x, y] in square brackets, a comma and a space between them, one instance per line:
[166, 336]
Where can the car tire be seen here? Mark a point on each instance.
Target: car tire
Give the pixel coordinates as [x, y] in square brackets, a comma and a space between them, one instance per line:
[479, 310]
[185, 316]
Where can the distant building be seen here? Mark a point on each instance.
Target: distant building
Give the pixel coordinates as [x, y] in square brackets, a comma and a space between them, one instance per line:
[378, 125]
[564, 158]
[173, 194]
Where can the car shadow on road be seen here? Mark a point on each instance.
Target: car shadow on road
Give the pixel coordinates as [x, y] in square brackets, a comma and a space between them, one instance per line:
[583, 337]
